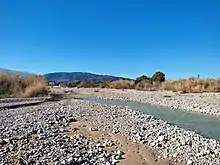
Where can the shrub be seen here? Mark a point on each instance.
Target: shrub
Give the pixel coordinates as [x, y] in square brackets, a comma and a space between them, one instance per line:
[138, 79]
[9, 85]
[39, 89]
[143, 84]
[192, 85]
[104, 85]
[87, 85]
[14, 86]
[158, 77]
[122, 84]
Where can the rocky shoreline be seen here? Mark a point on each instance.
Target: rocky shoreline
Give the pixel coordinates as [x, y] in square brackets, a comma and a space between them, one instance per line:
[202, 103]
[168, 140]
[40, 135]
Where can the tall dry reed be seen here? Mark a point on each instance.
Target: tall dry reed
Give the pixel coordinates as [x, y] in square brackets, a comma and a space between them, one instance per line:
[193, 85]
[14, 86]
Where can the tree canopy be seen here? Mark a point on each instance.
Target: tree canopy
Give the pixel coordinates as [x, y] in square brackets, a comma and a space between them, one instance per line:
[158, 77]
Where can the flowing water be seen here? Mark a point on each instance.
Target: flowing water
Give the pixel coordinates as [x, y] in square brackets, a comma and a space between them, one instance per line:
[205, 125]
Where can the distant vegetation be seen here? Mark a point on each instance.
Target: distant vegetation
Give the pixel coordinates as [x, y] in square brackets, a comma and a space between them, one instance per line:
[12, 85]
[158, 77]
[156, 82]
[122, 84]
[21, 84]
[140, 83]
[193, 85]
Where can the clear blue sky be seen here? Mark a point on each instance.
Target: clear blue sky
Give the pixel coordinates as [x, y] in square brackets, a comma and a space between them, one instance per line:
[119, 37]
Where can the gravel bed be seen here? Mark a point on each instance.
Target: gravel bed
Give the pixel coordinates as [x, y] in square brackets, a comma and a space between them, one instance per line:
[168, 140]
[37, 135]
[16, 100]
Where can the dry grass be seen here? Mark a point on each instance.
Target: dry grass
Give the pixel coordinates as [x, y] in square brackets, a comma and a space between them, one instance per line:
[146, 85]
[193, 85]
[14, 86]
[122, 84]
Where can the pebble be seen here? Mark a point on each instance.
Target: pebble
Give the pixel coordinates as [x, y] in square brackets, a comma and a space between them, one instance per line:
[93, 129]
[70, 160]
[189, 162]
[160, 138]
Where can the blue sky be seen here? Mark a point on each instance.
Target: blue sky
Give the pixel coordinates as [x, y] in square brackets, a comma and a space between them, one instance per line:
[119, 37]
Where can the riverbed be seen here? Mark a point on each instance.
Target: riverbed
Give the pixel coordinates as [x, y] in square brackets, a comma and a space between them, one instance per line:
[202, 124]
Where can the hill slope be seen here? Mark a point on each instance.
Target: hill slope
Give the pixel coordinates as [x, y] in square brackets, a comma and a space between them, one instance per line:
[23, 74]
[78, 76]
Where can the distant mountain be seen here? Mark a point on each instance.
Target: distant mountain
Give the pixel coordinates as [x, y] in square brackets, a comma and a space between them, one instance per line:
[78, 76]
[23, 74]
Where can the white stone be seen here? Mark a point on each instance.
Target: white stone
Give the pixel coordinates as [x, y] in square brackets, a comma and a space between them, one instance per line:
[70, 160]
[189, 162]
[160, 138]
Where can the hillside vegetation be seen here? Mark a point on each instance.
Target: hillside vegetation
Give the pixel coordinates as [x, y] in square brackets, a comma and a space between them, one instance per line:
[156, 82]
[190, 85]
[58, 77]
[12, 85]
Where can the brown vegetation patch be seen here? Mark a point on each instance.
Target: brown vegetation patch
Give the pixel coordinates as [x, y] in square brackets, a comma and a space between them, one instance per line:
[122, 84]
[193, 85]
[14, 86]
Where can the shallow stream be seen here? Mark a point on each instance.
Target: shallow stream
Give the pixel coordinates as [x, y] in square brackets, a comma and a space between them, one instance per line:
[205, 125]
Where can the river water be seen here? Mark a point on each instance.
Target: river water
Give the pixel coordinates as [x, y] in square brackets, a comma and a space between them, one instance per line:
[205, 125]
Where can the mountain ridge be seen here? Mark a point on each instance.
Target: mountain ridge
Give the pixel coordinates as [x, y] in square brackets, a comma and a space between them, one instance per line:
[79, 76]
[67, 76]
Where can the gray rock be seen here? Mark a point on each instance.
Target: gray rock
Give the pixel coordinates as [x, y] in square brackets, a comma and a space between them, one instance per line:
[70, 160]
[93, 129]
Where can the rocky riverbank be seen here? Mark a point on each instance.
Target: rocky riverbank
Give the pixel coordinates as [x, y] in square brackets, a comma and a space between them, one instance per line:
[203, 103]
[46, 134]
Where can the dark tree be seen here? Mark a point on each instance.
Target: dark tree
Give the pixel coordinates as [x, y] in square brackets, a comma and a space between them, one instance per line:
[158, 77]
[139, 79]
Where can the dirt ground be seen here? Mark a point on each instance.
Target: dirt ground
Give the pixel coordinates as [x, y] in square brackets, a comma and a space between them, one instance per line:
[134, 153]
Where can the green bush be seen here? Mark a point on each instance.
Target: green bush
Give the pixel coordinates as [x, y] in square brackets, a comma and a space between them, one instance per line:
[158, 77]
